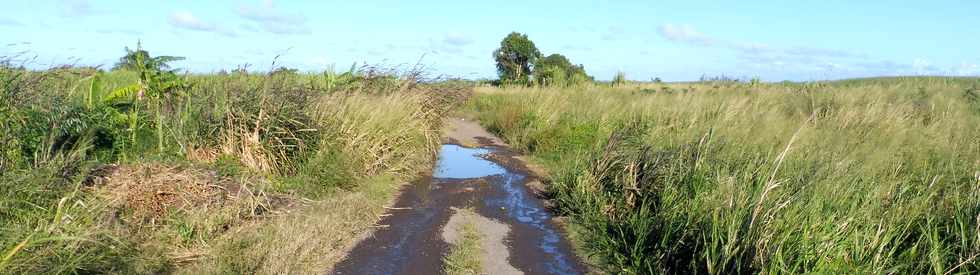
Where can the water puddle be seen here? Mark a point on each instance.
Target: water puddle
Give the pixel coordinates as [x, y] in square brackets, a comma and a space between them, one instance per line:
[521, 206]
[409, 240]
[457, 162]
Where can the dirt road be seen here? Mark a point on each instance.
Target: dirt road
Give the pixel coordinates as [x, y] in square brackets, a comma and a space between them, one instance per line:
[476, 171]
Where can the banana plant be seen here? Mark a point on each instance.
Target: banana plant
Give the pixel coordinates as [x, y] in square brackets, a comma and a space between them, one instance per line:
[116, 106]
[332, 79]
[123, 105]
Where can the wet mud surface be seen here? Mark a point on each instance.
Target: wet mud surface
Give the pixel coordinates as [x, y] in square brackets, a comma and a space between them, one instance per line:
[488, 180]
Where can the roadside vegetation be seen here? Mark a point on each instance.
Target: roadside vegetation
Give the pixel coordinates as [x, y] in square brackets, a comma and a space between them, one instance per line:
[142, 169]
[465, 252]
[723, 176]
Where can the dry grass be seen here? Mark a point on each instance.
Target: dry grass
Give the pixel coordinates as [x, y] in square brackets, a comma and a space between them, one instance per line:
[381, 140]
[212, 172]
[173, 212]
[310, 240]
[150, 192]
[386, 139]
[858, 176]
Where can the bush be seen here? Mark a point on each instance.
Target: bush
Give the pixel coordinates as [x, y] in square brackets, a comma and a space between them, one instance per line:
[556, 70]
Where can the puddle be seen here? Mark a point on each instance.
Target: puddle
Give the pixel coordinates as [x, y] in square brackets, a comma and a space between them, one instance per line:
[457, 162]
[521, 206]
[409, 240]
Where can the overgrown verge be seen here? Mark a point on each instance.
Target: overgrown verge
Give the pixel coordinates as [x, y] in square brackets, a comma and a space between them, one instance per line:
[880, 176]
[142, 170]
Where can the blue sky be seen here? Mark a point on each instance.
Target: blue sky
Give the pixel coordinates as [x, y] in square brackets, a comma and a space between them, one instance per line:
[673, 40]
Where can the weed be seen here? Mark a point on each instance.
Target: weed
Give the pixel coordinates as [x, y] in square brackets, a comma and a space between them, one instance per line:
[143, 170]
[465, 255]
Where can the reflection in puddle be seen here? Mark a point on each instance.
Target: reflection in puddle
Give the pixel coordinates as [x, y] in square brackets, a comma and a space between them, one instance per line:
[520, 206]
[457, 162]
[410, 242]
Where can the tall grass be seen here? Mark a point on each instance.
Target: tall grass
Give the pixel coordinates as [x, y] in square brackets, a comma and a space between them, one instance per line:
[282, 138]
[867, 176]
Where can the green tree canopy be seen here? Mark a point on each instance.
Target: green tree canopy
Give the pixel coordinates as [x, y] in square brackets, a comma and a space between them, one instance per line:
[134, 59]
[515, 57]
[556, 69]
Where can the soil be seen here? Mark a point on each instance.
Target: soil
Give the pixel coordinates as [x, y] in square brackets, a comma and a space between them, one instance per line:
[521, 235]
[469, 133]
[492, 240]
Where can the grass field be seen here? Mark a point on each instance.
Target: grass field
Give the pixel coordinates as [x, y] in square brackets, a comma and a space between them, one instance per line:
[858, 176]
[141, 171]
[145, 171]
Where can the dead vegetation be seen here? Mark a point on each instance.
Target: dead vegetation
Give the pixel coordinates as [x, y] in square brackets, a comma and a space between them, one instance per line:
[150, 192]
[239, 173]
[175, 210]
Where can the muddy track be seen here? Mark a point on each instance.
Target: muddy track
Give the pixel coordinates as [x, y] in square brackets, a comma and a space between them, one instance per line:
[475, 171]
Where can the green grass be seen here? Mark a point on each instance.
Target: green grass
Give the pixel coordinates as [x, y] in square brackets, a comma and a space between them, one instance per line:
[465, 256]
[296, 141]
[857, 176]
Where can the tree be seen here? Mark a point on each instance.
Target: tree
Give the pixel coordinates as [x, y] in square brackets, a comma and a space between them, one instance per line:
[556, 69]
[140, 59]
[515, 57]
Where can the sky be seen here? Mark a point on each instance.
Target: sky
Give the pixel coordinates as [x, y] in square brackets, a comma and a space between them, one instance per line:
[672, 40]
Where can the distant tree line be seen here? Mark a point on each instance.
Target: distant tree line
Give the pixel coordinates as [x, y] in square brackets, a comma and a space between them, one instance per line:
[519, 62]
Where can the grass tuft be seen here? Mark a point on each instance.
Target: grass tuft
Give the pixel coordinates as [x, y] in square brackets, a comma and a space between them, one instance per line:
[143, 170]
[855, 176]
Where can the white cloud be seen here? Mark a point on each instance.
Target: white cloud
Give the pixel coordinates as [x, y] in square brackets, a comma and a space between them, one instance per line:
[918, 66]
[751, 48]
[457, 39]
[76, 8]
[689, 35]
[613, 33]
[967, 69]
[686, 34]
[922, 66]
[187, 20]
[451, 43]
[441, 47]
[271, 20]
[775, 58]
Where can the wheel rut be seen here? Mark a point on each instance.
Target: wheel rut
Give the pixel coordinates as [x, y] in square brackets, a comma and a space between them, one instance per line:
[475, 171]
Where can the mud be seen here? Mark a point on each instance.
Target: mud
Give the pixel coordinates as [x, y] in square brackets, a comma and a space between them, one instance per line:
[493, 236]
[489, 179]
